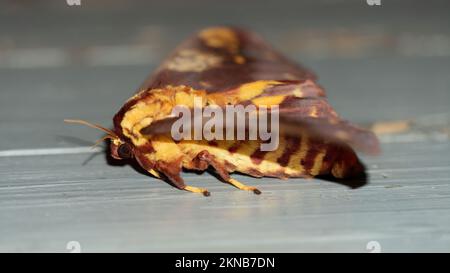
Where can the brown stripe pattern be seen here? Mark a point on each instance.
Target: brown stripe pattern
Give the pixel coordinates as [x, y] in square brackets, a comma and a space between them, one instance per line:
[235, 147]
[257, 156]
[309, 160]
[292, 145]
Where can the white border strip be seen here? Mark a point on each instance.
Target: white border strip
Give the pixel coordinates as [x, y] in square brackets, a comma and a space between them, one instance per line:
[50, 151]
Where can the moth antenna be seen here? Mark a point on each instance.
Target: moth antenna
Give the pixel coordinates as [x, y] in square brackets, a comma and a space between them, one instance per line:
[101, 140]
[96, 126]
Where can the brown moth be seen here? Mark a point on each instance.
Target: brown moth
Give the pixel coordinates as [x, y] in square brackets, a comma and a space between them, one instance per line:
[230, 66]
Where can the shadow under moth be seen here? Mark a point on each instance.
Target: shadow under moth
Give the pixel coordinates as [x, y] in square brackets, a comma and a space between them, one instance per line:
[224, 67]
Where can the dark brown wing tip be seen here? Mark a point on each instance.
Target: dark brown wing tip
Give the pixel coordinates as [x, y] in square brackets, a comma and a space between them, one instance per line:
[368, 143]
[339, 131]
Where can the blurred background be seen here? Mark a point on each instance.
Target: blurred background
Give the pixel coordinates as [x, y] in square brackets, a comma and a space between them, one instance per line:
[59, 61]
[385, 67]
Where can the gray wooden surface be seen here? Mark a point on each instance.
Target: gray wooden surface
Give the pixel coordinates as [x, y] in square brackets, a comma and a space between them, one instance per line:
[61, 62]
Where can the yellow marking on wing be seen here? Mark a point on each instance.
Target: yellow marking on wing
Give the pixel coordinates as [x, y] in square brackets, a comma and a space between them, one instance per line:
[247, 148]
[190, 148]
[313, 112]
[250, 90]
[165, 149]
[338, 169]
[298, 92]
[268, 100]
[294, 166]
[155, 107]
[141, 115]
[269, 162]
[342, 135]
[220, 37]
[244, 92]
[225, 144]
[318, 160]
[189, 60]
[187, 99]
[136, 118]
[239, 59]
[240, 158]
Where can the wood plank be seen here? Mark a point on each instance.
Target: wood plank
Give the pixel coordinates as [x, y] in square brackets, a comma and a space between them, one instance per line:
[47, 201]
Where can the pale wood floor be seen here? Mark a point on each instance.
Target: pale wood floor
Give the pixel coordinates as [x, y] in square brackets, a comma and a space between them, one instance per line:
[76, 64]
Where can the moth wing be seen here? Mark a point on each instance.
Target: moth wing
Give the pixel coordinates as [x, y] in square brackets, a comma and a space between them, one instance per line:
[312, 115]
[235, 66]
[316, 116]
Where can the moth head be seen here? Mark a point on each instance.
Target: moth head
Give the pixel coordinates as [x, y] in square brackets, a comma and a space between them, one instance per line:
[120, 149]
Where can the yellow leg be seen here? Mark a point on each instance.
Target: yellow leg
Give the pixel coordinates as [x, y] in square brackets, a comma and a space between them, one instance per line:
[154, 173]
[205, 192]
[244, 187]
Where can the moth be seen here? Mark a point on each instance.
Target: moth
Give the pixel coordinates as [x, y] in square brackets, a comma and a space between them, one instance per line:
[231, 66]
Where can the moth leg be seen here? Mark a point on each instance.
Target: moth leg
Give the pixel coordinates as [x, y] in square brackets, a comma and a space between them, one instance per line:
[223, 173]
[154, 173]
[147, 165]
[242, 186]
[203, 191]
[172, 172]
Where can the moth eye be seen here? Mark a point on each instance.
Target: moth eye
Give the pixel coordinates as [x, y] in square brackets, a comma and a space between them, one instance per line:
[124, 151]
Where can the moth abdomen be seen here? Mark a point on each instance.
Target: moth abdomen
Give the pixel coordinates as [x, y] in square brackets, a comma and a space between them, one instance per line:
[295, 157]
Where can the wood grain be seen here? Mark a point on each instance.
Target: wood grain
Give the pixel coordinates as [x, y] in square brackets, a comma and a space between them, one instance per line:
[74, 63]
